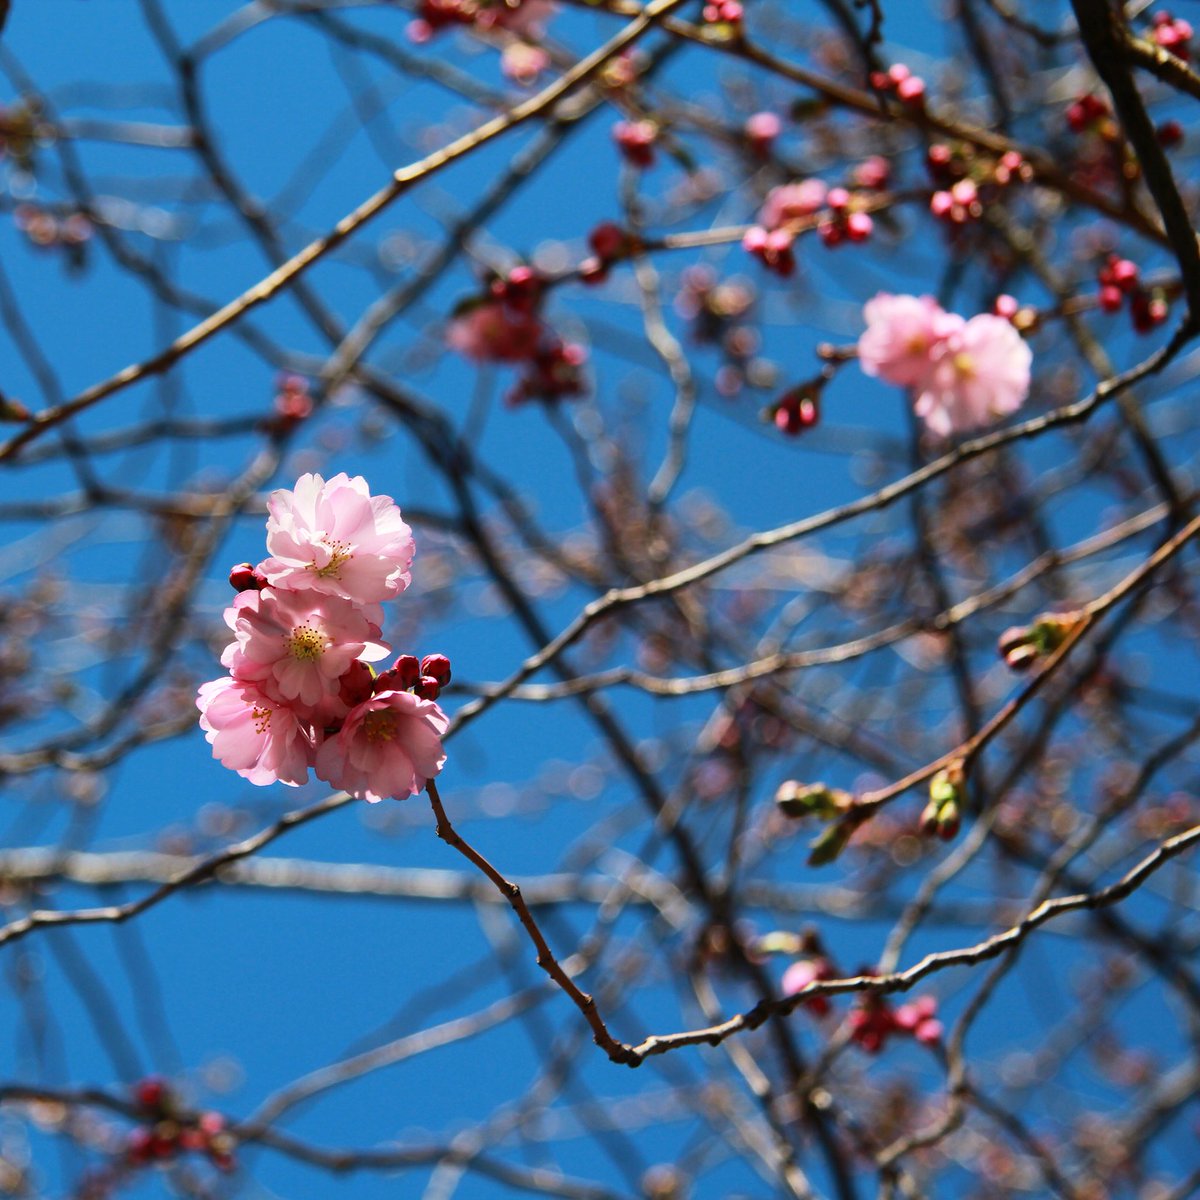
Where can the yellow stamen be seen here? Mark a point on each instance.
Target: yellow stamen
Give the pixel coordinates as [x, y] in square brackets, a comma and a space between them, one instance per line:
[379, 725]
[306, 643]
[339, 553]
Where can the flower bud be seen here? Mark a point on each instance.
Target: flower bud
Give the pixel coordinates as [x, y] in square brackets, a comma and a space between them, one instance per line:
[356, 684]
[813, 799]
[400, 676]
[245, 578]
[427, 688]
[437, 665]
[608, 240]
[832, 841]
[947, 793]
[152, 1093]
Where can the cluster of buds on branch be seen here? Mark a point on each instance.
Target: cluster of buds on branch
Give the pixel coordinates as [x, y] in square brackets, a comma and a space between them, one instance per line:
[898, 79]
[524, 18]
[966, 180]
[786, 206]
[1120, 279]
[723, 17]
[833, 805]
[942, 816]
[873, 1021]
[1173, 34]
[636, 141]
[506, 326]
[169, 1131]
[1023, 645]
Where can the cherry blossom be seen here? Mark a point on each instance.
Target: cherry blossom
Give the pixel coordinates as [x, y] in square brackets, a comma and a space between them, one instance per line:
[390, 745]
[963, 374]
[979, 373]
[298, 645]
[336, 538]
[901, 335]
[259, 737]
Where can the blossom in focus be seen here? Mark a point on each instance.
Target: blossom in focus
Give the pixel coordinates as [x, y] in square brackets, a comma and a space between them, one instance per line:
[253, 734]
[337, 539]
[390, 745]
[298, 645]
[306, 624]
[963, 374]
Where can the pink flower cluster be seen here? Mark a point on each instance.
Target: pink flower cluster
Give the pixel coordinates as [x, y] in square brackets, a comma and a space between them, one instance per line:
[872, 1021]
[962, 374]
[524, 18]
[786, 209]
[1173, 34]
[306, 624]
[506, 326]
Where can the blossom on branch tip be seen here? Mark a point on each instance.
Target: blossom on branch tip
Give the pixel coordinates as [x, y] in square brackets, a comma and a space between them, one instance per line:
[390, 745]
[306, 625]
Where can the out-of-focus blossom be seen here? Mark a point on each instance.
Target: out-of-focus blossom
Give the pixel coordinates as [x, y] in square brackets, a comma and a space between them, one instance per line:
[963, 374]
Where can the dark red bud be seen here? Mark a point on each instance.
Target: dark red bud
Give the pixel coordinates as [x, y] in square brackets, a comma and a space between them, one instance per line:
[152, 1092]
[400, 676]
[356, 684]
[428, 688]
[438, 666]
[245, 578]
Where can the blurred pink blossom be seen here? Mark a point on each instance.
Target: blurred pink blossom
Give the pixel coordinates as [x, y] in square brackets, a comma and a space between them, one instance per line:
[979, 374]
[963, 374]
[494, 332]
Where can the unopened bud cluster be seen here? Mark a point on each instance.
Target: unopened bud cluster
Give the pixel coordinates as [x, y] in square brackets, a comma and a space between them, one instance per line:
[1021, 646]
[506, 326]
[898, 79]
[169, 1131]
[1120, 280]
[942, 816]
[791, 205]
[872, 1021]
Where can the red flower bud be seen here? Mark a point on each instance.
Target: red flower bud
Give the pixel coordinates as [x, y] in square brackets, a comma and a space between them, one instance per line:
[438, 666]
[400, 676]
[151, 1093]
[246, 578]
